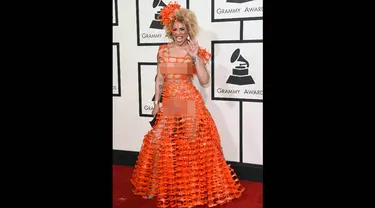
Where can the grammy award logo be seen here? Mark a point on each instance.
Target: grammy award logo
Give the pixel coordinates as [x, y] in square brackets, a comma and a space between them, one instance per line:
[238, 1]
[240, 74]
[156, 24]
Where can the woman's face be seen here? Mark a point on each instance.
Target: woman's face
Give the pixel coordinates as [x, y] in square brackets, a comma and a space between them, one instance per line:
[179, 33]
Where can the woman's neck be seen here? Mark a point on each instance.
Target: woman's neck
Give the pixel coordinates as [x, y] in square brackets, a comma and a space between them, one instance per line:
[184, 45]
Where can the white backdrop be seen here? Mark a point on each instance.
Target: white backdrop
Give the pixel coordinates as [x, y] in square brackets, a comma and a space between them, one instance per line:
[220, 33]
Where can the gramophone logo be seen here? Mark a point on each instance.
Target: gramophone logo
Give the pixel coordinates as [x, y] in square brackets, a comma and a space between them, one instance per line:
[156, 24]
[238, 1]
[240, 74]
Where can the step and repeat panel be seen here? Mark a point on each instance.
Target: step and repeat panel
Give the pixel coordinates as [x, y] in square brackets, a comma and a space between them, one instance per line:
[235, 94]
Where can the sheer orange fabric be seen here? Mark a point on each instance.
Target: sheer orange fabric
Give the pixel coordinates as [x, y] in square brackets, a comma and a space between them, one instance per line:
[181, 161]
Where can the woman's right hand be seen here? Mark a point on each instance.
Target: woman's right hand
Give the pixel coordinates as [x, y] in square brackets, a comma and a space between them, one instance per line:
[155, 110]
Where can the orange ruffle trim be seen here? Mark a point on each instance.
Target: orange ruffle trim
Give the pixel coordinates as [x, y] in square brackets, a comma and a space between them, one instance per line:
[185, 171]
[181, 161]
[203, 53]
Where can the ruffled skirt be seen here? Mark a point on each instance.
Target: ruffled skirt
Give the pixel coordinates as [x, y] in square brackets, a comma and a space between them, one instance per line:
[182, 164]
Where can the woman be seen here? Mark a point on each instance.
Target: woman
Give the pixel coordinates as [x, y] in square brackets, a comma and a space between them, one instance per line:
[181, 161]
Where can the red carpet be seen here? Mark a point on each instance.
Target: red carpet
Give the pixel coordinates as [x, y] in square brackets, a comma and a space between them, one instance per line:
[124, 198]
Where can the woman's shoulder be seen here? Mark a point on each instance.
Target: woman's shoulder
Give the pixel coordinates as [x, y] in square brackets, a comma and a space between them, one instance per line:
[164, 46]
[162, 49]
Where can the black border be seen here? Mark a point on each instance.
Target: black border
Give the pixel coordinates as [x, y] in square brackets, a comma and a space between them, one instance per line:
[241, 30]
[138, 31]
[117, 44]
[229, 19]
[116, 15]
[140, 87]
[244, 171]
[213, 66]
[241, 130]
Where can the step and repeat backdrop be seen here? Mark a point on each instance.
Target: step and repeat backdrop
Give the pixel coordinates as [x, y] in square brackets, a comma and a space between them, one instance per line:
[232, 30]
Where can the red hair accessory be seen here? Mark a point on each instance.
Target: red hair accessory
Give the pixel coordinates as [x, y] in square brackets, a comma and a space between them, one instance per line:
[167, 13]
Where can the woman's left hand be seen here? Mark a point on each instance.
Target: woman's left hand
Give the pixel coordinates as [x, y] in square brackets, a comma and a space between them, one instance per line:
[192, 48]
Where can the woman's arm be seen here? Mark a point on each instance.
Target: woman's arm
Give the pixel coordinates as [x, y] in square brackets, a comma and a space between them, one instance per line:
[202, 73]
[159, 82]
[200, 58]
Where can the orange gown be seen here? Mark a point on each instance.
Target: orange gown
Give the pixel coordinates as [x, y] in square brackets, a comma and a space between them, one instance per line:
[181, 161]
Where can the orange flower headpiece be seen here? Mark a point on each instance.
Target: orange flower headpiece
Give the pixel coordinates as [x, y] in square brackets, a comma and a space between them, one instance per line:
[167, 13]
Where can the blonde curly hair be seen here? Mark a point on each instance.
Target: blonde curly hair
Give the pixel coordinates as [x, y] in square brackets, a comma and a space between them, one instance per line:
[186, 17]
